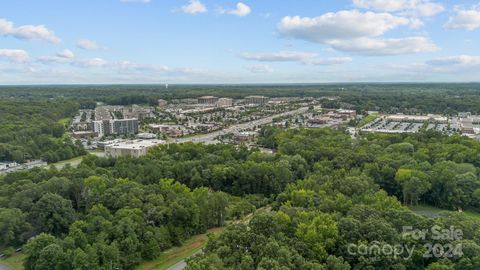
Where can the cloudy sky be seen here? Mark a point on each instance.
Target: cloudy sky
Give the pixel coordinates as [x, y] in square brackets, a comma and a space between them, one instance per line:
[221, 41]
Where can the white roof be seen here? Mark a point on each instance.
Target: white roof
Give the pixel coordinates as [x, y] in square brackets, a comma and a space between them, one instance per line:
[135, 144]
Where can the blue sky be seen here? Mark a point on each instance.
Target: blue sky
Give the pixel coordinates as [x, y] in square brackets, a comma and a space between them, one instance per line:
[214, 41]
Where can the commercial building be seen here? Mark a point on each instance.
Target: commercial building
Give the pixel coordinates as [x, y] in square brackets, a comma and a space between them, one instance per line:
[417, 118]
[245, 136]
[207, 100]
[319, 121]
[257, 100]
[347, 113]
[103, 144]
[136, 148]
[162, 103]
[169, 130]
[8, 167]
[224, 102]
[146, 136]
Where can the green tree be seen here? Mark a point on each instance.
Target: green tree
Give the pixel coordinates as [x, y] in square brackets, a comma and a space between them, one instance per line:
[13, 226]
[52, 214]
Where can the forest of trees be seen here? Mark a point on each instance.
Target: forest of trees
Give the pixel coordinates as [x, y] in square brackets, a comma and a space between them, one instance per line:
[31, 130]
[324, 189]
[342, 200]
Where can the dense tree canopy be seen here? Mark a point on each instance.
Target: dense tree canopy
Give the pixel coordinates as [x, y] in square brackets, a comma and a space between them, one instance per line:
[31, 130]
[324, 189]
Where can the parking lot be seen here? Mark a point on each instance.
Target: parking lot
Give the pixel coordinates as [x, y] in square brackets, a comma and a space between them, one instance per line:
[384, 126]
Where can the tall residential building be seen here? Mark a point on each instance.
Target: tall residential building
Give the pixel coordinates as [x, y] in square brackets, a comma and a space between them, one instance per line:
[207, 100]
[224, 102]
[124, 126]
[257, 100]
[116, 126]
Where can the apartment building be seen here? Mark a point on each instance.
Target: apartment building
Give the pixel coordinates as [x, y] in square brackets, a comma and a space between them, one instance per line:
[224, 102]
[116, 126]
[257, 100]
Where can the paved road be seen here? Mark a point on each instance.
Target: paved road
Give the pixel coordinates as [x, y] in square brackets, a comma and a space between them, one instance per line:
[209, 138]
[181, 264]
[178, 266]
[4, 267]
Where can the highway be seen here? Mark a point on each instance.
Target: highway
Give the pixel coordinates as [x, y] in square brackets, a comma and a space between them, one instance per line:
[209, 138]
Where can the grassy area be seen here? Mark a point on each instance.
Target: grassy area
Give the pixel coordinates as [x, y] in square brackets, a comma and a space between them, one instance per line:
[76, 160]
[432, 212]
[72, 161]
[64, 121]
[176, 254]
[426, 210]
[473, 214]
[15, 262]
[367, 119]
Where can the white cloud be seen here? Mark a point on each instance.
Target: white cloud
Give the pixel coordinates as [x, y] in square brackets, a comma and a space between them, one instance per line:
[53, 60]
[357, 32]
[416, 23]
[459, 60]
[14, 55]
[30, 32]
[328, 61]
[393, 46]
[381, 5]
[87, 44]
[66, 54]
[261, 68]
[341, 25]
[468, 19]
[194, 7]
[278, 56]
[92, 62]
[423, 8]
[121, 67]
[136, 1]
[292, 56]
[428, 9]
[241, 10]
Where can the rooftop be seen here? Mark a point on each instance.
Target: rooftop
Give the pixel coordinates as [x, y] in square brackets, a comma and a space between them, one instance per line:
[136, 144]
